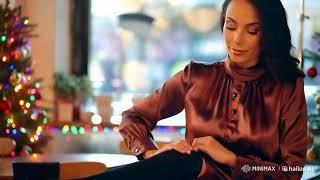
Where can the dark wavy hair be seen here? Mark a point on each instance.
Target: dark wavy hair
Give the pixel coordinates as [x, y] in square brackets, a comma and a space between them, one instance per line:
[276, 39]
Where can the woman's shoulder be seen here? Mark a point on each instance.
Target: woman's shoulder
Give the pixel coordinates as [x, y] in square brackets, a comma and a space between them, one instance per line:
[292, 89]
[292, 85]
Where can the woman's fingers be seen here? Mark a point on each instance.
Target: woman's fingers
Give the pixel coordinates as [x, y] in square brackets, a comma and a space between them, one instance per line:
[184, 148]
[181, 146]
[187, 145]
[181, 149]
[194, 143]
[196, 149]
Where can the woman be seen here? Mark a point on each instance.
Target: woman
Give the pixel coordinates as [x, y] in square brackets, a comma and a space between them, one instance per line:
[245, 116]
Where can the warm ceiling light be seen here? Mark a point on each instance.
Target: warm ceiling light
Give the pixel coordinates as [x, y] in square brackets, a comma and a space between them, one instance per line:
[201, 19]
[138, 23]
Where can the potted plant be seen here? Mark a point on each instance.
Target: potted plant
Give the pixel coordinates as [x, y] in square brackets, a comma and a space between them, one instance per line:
[65, 88]
[70, 92]
[84, 92]
[85, 88]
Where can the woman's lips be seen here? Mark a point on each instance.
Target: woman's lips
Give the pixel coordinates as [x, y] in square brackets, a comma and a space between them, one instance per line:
[237, 51]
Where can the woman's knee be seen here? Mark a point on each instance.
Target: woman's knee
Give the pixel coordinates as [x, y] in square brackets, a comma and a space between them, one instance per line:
[189, 163]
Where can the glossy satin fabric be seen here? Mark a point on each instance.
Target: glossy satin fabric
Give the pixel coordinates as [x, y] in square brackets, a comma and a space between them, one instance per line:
[264, 122]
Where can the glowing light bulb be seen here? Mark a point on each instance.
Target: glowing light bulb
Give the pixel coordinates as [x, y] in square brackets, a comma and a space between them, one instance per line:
[116, 129]
[27, 105]
[3, 38]
[32, 98]
[96, 119]
[23, 130]
[33, 117]
[45, 120]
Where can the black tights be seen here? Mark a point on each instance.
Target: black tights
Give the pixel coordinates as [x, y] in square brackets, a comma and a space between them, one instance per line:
[166, 165]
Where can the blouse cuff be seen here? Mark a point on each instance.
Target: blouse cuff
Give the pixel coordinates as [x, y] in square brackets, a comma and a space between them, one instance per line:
[141, 145]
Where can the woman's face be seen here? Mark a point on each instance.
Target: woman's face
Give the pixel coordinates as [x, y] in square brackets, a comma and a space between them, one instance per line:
[242, 33]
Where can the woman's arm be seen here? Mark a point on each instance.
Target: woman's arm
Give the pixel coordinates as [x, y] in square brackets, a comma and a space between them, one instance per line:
[138, 122]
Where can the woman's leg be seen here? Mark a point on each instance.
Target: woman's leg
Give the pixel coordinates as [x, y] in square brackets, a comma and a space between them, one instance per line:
[166, 165]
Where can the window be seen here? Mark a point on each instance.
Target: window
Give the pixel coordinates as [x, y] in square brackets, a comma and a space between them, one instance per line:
[129, 65]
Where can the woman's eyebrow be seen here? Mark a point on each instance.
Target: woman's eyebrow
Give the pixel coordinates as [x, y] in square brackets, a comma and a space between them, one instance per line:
[229, 18]
[250, 24]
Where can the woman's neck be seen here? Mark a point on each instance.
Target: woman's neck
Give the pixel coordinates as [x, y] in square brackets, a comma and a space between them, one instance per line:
[247, 64]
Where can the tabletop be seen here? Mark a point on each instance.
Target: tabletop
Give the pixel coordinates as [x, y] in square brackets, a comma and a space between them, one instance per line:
[110, 160]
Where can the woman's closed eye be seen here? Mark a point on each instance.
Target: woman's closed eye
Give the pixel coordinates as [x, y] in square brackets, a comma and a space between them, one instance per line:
[230, 25]
[253, 32]
[250, 31]
[231, 28]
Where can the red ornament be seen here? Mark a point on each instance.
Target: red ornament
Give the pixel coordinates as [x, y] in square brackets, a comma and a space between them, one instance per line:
[5, 106]
[312, 72]
[41, 116]
[37, 95]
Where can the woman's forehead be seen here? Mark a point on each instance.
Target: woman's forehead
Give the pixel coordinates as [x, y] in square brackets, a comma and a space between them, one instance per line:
[242, 11]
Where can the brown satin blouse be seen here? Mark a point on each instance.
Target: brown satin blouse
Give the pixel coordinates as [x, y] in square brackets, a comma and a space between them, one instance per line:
[263, 121]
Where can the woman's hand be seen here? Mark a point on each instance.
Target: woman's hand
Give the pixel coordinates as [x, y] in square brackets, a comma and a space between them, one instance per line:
[180, 146]
[215, 150]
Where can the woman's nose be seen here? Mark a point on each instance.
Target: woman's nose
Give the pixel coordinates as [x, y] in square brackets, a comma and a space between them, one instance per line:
[238, 37]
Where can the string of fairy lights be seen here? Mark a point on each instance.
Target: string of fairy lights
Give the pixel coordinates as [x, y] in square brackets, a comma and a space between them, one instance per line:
[77, 130]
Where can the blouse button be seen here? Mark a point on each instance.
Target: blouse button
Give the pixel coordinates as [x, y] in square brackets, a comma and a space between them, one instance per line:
[233, 120]
[234, 95]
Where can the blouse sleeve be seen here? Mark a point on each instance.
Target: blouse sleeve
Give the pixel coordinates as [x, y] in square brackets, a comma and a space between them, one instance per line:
[293, 142]
[138, 121]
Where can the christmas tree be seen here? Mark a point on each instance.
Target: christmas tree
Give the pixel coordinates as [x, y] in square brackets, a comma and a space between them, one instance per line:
[21, 116]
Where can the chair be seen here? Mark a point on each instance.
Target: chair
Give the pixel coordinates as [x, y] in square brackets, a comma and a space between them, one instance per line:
[124, 149]
[56, 170]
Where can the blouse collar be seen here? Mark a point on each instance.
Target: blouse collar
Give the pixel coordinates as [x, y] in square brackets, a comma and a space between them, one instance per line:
[244, 74]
